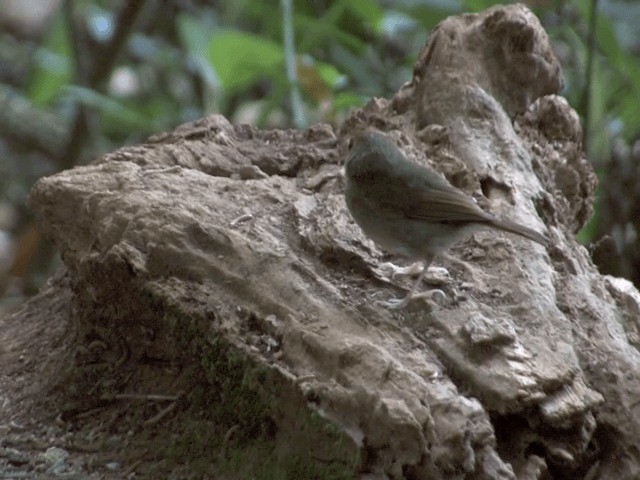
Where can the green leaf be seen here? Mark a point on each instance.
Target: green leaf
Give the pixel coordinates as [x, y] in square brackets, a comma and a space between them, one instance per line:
[429, 13]
[608, 43]
[346, 100]
[315, 31]
[369, 11]
[599, 135]
[53, 65]
[330, 74]
[629, 113]
[588, 233]
[241, 58]
[477, 5]
[108, 106]
[195, 35]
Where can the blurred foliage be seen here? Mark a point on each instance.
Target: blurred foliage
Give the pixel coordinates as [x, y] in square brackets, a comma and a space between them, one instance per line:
[93, 75]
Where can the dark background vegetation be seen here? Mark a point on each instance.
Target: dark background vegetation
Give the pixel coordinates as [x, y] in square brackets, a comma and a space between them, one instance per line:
[79, 78]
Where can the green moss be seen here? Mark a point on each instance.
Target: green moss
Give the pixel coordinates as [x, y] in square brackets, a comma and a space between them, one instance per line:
[258, 460]
[229, 429]
[235, 397]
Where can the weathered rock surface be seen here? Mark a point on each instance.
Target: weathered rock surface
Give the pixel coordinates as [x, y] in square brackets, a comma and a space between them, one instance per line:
[222, 244]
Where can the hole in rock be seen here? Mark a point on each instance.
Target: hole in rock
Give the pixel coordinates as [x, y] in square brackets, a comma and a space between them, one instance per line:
[493, 189]
[518, 438]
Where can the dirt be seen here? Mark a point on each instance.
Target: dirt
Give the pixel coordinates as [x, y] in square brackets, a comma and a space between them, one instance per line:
[72, 411]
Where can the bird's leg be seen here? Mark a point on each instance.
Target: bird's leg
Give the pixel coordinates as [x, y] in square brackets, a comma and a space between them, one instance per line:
[392, 270]
[397, 303]
[437, 275]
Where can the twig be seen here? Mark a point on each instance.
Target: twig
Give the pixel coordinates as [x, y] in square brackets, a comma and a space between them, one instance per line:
[144, 396]
[163, 413]
[229, 434]
[131, 468]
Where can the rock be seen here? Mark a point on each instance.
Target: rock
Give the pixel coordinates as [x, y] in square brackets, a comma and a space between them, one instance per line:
[231, 249]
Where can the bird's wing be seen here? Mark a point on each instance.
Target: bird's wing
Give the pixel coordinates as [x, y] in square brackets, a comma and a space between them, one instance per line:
[439, 205]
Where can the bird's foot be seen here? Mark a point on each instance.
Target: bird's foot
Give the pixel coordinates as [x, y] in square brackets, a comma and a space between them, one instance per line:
[393, 303]
[391, 270]
[437, 275]
[436, 295]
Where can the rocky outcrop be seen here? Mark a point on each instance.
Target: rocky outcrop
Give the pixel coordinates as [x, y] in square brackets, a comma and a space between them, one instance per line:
[231, 248]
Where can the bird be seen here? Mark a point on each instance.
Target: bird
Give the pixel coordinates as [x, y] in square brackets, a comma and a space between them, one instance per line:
[409, 209]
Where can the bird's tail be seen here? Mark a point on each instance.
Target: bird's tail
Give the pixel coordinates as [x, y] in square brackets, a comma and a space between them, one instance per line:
[513, 227]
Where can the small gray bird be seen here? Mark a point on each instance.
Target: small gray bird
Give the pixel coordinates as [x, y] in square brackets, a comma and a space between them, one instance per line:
[410, 210]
